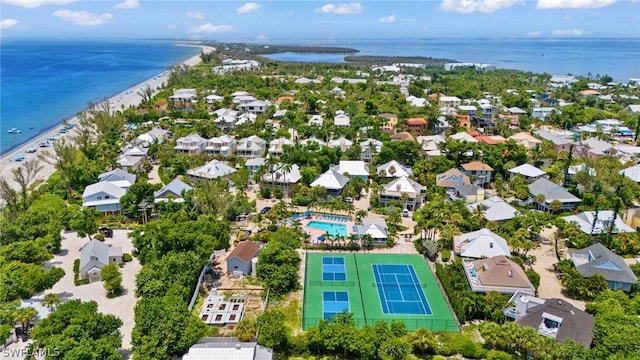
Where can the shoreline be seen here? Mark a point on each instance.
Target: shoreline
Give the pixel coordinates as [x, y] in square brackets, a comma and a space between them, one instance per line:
[127, 97]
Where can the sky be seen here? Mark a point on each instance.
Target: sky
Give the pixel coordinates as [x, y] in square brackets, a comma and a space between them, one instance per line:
[273, 21]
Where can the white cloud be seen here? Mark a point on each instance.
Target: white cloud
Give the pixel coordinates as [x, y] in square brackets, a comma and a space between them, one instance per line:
[83, 18]
[573, 4]
[469, 6]
[262, 37]
[7, 23]
[127, 4]
[342, 9]
[172, 26]
[36, 3]
[210, 28]
[571, 32]
[248, 7]
[534, 33]
[195, 14]
[387, 19]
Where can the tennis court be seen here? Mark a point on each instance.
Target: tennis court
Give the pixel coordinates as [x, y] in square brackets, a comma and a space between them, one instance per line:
[399, 290]
[374, 287]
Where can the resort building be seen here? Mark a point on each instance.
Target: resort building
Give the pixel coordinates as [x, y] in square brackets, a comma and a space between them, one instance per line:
[483, 243]
[402, 189]
[597, 259]
[496, 274]
[192, 144]
[214, 169]
[94, 256]
[251, 147]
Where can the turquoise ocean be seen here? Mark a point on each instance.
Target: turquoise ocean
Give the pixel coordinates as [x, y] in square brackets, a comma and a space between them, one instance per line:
[46, 81]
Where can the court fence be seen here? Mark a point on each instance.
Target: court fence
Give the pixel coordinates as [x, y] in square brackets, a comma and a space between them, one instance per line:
[442, 325]
[392, 284]
[333, 283]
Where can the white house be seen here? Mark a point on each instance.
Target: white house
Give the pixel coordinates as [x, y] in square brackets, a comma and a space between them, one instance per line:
[370, 148]
[118, 177]
[341, 143]
[251, 147]
[331, 180]
[543, 113]
[317, 120]
[353, 168]
[276, 146]
[255, 107]
[103, 196]
[632, 173]
[483, 243]
[375, 227]
[183, 95]
[341, 119]
[212, 170]
[529, 172]
[94, 256]
[192, 144]
[496, 209]
[603, 223]
[449, 101]
[413, 192]
[224, 145]
[393, 169]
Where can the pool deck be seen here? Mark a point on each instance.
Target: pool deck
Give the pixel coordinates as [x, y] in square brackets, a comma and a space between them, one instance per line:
[315, 233]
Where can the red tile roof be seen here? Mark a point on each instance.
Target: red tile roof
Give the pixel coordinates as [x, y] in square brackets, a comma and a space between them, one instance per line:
[416, 121]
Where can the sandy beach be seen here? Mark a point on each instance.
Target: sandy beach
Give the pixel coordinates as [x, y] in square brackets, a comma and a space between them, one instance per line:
[125, 98]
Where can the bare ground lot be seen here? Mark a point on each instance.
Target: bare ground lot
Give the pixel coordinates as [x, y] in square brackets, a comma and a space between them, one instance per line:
[121, 306]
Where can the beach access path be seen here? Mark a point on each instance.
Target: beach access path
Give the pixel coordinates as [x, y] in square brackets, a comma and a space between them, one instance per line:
[125, 98]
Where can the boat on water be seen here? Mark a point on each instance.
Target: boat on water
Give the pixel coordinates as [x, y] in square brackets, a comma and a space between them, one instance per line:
[14, 131]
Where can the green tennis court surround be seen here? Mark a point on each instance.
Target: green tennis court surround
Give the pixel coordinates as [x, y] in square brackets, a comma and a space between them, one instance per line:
[378, 287]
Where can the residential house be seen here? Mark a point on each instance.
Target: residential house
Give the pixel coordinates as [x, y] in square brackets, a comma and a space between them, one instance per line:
[560, 141]
[304, 80]
[331, 180]
[214, 169]
[417, 125]
[562, 80]
[483, 243]
[451, 179]
[352, 168]
[390, 122]
[593, 148]
[183, 95]
[468, 110]
[276, 146]
[341, 119]
[376, 228]
[515, 111]
[543, 113]
[496, 274]
[632, 173]
[431, 144]
[478, 171]
[223, 145]
[317, 120]
[213, 98]
[370, 148]
[470, 194]
[118, 177]
[283, 178]
[137, 151]
[104, 196]
[131, 163]
[548, 192]
[219, 309]
[336, 91]
[554, 318]
[94, 256]
[497, 210]
[254, 107]
[491, 139]
[192, 144]
[173, 191]
[597, 259]
[417, 101]
[228, 348]
[526, 139]
[155, 135]
[226, 118]
[312, 140]
[463, 136]
[603, 222]
[246, 118]
[575, 169]
[251, 147]
[488, 115]
[341, 143]
[239, 260]
[530, 173]
[402, 136]
[393, 169]
[449, 101]
[441, 126]
[404, 190]
[254, 164]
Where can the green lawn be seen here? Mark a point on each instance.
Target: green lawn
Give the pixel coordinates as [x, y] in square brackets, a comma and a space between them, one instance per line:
[363, 294]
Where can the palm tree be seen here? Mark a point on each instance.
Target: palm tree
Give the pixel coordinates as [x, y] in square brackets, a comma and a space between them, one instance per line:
[285, 168]
[25, 316]
[555, 205]
[270, 163]
[51, 301]
[361, 214]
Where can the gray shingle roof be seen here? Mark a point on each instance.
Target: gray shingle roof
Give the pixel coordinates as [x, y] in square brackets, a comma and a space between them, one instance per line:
[597, 259]
[175, 187]
[551, 191]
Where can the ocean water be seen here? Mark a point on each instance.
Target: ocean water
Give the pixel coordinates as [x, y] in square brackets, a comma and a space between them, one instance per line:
[618, 58]
[45, 82]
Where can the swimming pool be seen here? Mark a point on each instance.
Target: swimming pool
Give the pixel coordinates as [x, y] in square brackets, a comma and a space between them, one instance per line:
[334, 230]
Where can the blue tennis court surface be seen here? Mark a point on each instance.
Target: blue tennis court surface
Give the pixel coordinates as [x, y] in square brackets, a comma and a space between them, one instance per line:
[334, 302]
[333, 269]
[399, 290]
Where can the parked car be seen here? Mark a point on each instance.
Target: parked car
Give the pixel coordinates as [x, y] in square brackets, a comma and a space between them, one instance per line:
[405, 213]
[349, 200]
[265, 209]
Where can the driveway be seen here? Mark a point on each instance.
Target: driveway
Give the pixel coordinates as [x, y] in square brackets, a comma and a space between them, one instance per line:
[122, 306]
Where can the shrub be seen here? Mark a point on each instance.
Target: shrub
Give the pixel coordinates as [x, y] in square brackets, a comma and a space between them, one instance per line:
[277, 193]
[419, 247]
[76, 274]
[265, 192]
[99, 237]
[445, 255]
[534, 277]
[126, 257]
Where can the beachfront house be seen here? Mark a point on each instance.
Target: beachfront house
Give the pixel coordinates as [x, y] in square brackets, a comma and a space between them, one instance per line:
[192, 144]
[404, 190]
[496, 274]
[251, 147]
[104, 196]
[223, 145]
[183, 95]
[332, 181]
[94, 256]
[173, 191]
[214, 169]
[597, 259]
